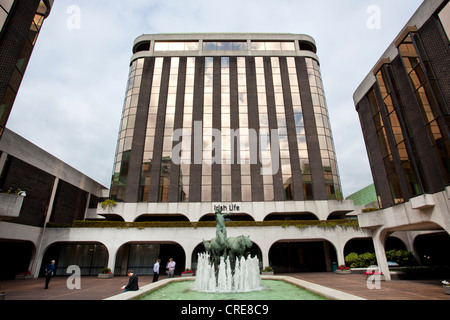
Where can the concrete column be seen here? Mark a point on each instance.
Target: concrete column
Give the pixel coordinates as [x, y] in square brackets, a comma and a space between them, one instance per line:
[339, 254]
[265, 256]
[188, 249]
[112, 253]
[3, 161]
[36, 260]
[378, 238]
[326, 250]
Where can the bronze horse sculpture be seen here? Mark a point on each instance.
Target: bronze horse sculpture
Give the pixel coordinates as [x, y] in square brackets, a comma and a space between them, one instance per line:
[221, 246]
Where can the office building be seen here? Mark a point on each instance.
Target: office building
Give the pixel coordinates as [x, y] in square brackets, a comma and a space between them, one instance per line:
[20, 24]
[403, 105]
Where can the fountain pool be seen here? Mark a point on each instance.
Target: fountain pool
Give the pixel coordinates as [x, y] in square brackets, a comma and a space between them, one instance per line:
[270, 290]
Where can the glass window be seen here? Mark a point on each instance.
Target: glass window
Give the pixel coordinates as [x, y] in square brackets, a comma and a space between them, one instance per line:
[176, 45]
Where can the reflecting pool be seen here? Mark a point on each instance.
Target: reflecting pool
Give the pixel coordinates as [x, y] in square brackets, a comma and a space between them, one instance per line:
[272, 290]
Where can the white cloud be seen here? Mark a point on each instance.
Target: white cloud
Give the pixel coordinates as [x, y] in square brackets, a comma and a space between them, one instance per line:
[71, 98]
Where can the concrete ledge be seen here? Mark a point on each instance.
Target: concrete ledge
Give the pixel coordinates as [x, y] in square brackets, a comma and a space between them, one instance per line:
[422, 202]
[312, 287]
[316, 288]
[129, 295]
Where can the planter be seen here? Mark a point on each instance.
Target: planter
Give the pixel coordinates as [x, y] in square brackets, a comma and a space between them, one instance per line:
[267, 273]
[10, 205]
[105, 275]
[187, 274]
[446, 289]
[23, 276]
[345, 271]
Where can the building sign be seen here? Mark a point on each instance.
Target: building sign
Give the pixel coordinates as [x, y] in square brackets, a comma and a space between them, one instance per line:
[227, 207]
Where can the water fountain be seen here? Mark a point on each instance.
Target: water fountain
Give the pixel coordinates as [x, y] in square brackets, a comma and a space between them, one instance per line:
[224, 273]
[224, 268]
[244, 278]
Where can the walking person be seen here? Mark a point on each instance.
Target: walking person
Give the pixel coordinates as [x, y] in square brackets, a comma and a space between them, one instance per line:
[156, 270]
[49, 272]
[170, 268]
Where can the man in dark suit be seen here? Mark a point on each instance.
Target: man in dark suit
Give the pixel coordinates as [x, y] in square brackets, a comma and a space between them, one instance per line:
[132, 282]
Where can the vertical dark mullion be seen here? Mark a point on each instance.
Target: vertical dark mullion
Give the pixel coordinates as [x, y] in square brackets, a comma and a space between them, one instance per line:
[291, 132]
[312, 139]
[140, 128]
[174, 190]
[278, 191]
[376, 160]
[236, 192]
[253, 124]
[398, 169]
[433, 180]
[216, 169]
[159, 133]
[195, 181]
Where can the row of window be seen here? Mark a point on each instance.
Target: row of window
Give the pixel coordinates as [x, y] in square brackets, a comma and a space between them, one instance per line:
[396, 124]
[225, 46]
[238, 101]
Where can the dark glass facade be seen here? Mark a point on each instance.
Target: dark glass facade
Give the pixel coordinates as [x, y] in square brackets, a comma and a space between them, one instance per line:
[20, 24]
[225, 120]
[405, 114]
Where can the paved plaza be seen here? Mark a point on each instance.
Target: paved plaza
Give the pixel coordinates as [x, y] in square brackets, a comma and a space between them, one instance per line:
[93, 288]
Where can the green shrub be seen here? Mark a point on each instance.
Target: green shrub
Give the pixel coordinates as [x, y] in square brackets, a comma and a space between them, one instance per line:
[364, 260]
[404, 258]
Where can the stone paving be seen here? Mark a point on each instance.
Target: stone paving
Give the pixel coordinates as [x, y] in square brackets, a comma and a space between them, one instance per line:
[93, 288]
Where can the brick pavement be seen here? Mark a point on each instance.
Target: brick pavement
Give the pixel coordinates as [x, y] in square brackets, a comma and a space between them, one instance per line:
[93, 288]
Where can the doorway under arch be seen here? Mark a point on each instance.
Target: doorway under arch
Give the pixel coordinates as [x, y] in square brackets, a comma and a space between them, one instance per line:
[291, 256]
[141, 256]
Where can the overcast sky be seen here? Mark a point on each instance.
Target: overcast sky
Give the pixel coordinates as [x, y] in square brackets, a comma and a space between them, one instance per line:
[71, 98]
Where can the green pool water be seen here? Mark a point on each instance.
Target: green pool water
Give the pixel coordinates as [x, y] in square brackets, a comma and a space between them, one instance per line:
[273, 290]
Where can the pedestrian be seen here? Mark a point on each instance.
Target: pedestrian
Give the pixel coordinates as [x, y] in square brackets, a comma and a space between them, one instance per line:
[156, 270]
[49, 272]
[170, 268]
[132, 282]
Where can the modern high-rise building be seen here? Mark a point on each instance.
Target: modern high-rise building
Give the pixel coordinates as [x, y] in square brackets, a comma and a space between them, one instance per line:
[225, 117]
[404, 106]
[20, 24]
[236, 121]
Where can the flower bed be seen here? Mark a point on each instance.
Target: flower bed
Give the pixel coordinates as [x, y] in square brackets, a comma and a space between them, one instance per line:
[446, 286]
[342, 269]
[187, 273]
[24, 276]
[106, 273]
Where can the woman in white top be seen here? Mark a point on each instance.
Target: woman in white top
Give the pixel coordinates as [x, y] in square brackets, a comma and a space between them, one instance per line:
[170, 268]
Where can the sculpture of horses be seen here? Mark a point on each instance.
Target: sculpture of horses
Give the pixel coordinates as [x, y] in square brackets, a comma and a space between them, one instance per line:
[237, 246]
[216, 247]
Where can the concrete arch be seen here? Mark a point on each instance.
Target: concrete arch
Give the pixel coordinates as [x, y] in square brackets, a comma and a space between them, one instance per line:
[75, 253]
[161, 217]
[305, 215]
[112, 217]
[147, 252]
[300, 255]
[17, 256]
[238, 216]
[337, 215]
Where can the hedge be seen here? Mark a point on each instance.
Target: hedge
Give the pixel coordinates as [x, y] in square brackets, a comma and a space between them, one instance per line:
[402, 257]
[347, 223]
